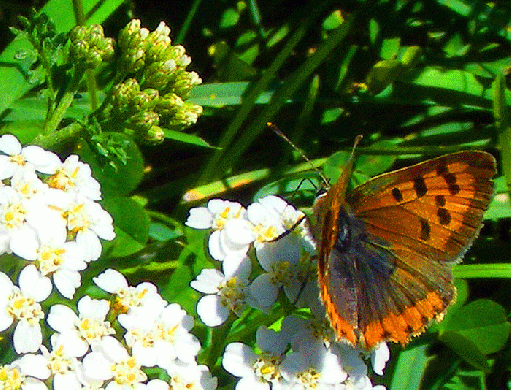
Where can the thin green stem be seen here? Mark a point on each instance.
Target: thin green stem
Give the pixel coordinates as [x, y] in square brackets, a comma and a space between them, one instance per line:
[218, 341]
[497, 270]
[47, 69]
[52, 140]
[79, 12]
[261, 319]
[80, 20]
[188, 22]
[52, 123]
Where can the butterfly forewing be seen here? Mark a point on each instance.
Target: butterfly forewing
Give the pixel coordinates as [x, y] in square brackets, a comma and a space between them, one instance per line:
[385, 248]
[438, 204]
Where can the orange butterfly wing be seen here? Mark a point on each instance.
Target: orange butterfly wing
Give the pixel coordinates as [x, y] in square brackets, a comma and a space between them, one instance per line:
[386, 248]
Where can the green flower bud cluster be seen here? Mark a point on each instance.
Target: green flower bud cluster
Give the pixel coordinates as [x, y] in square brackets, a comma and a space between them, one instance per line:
[145, 111]
[89, 47]
[154, 61]
[155, 96]
[131, 44]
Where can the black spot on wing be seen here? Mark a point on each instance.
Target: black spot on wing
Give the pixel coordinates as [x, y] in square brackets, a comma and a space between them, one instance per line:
[425, 229]
[419, 185]
[444, 216]
[397, 195]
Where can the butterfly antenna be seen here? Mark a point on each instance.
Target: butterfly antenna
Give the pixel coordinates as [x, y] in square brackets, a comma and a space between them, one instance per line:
[277, 131]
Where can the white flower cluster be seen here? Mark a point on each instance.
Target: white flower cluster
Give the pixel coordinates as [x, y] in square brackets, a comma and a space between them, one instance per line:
[48, 219]
[304, 354]
[85, 353]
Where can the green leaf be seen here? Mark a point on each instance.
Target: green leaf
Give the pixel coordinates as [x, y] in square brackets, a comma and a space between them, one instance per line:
[333, 20]
[161, 232]
[34, 108]
[448, 87]
[475, 330]
[225, 94]
[390, 48]
[131, 225]
[500, 206]
[121, 179]
[466, 349]
[24, 130]
[229, 18]
[383, 74]
[16, 79]
[186, 138]
[410, 366]
[458, 6]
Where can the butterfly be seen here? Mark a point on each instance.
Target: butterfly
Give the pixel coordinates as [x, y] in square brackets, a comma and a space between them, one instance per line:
[386, 249]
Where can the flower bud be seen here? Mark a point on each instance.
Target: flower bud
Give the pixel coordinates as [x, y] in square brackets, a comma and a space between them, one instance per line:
[89, 47]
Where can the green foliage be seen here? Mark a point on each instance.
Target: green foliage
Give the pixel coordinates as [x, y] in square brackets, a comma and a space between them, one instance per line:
[416, 78]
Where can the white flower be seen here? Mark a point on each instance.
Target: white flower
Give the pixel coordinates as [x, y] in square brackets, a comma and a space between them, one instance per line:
[272, 217]
[215, 214]
[62, 260]
[226, 292]
[28, 185]
[112, 362]
[317, 367]
[302, 332]
[190, 376]
[143, 298]
[11, 377]
[88, 222]
[280, 259]
[55, 365]
[161, 338]
[30, 157]
[257, 371]
[77, 332]
[220, 216]
[16, 234]
[379, 358]
[75, 176]
[21, 305]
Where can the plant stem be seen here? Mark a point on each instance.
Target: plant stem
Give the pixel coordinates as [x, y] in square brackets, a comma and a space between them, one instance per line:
[218, 342]
[57, 115]
[50, 141]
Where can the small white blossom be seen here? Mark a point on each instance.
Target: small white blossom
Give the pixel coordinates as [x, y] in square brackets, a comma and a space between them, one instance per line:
[112, 362]
[88, 222]
[317, 367]
[61, 260]
[11, 377]
[379, 358]
[161, 338]
[143, 298]
[78, 332]
[257, 371]
[22, 305]
[55, 365]
[272, 216]
[221, 216]
[190, 376]
[17, 158]
[226, 292]
[75, 177]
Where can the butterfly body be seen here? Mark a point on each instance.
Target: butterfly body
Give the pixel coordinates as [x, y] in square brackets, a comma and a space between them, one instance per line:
[385, 249]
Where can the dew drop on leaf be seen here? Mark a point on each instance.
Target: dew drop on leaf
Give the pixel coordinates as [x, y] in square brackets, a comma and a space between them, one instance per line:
[20, 55]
